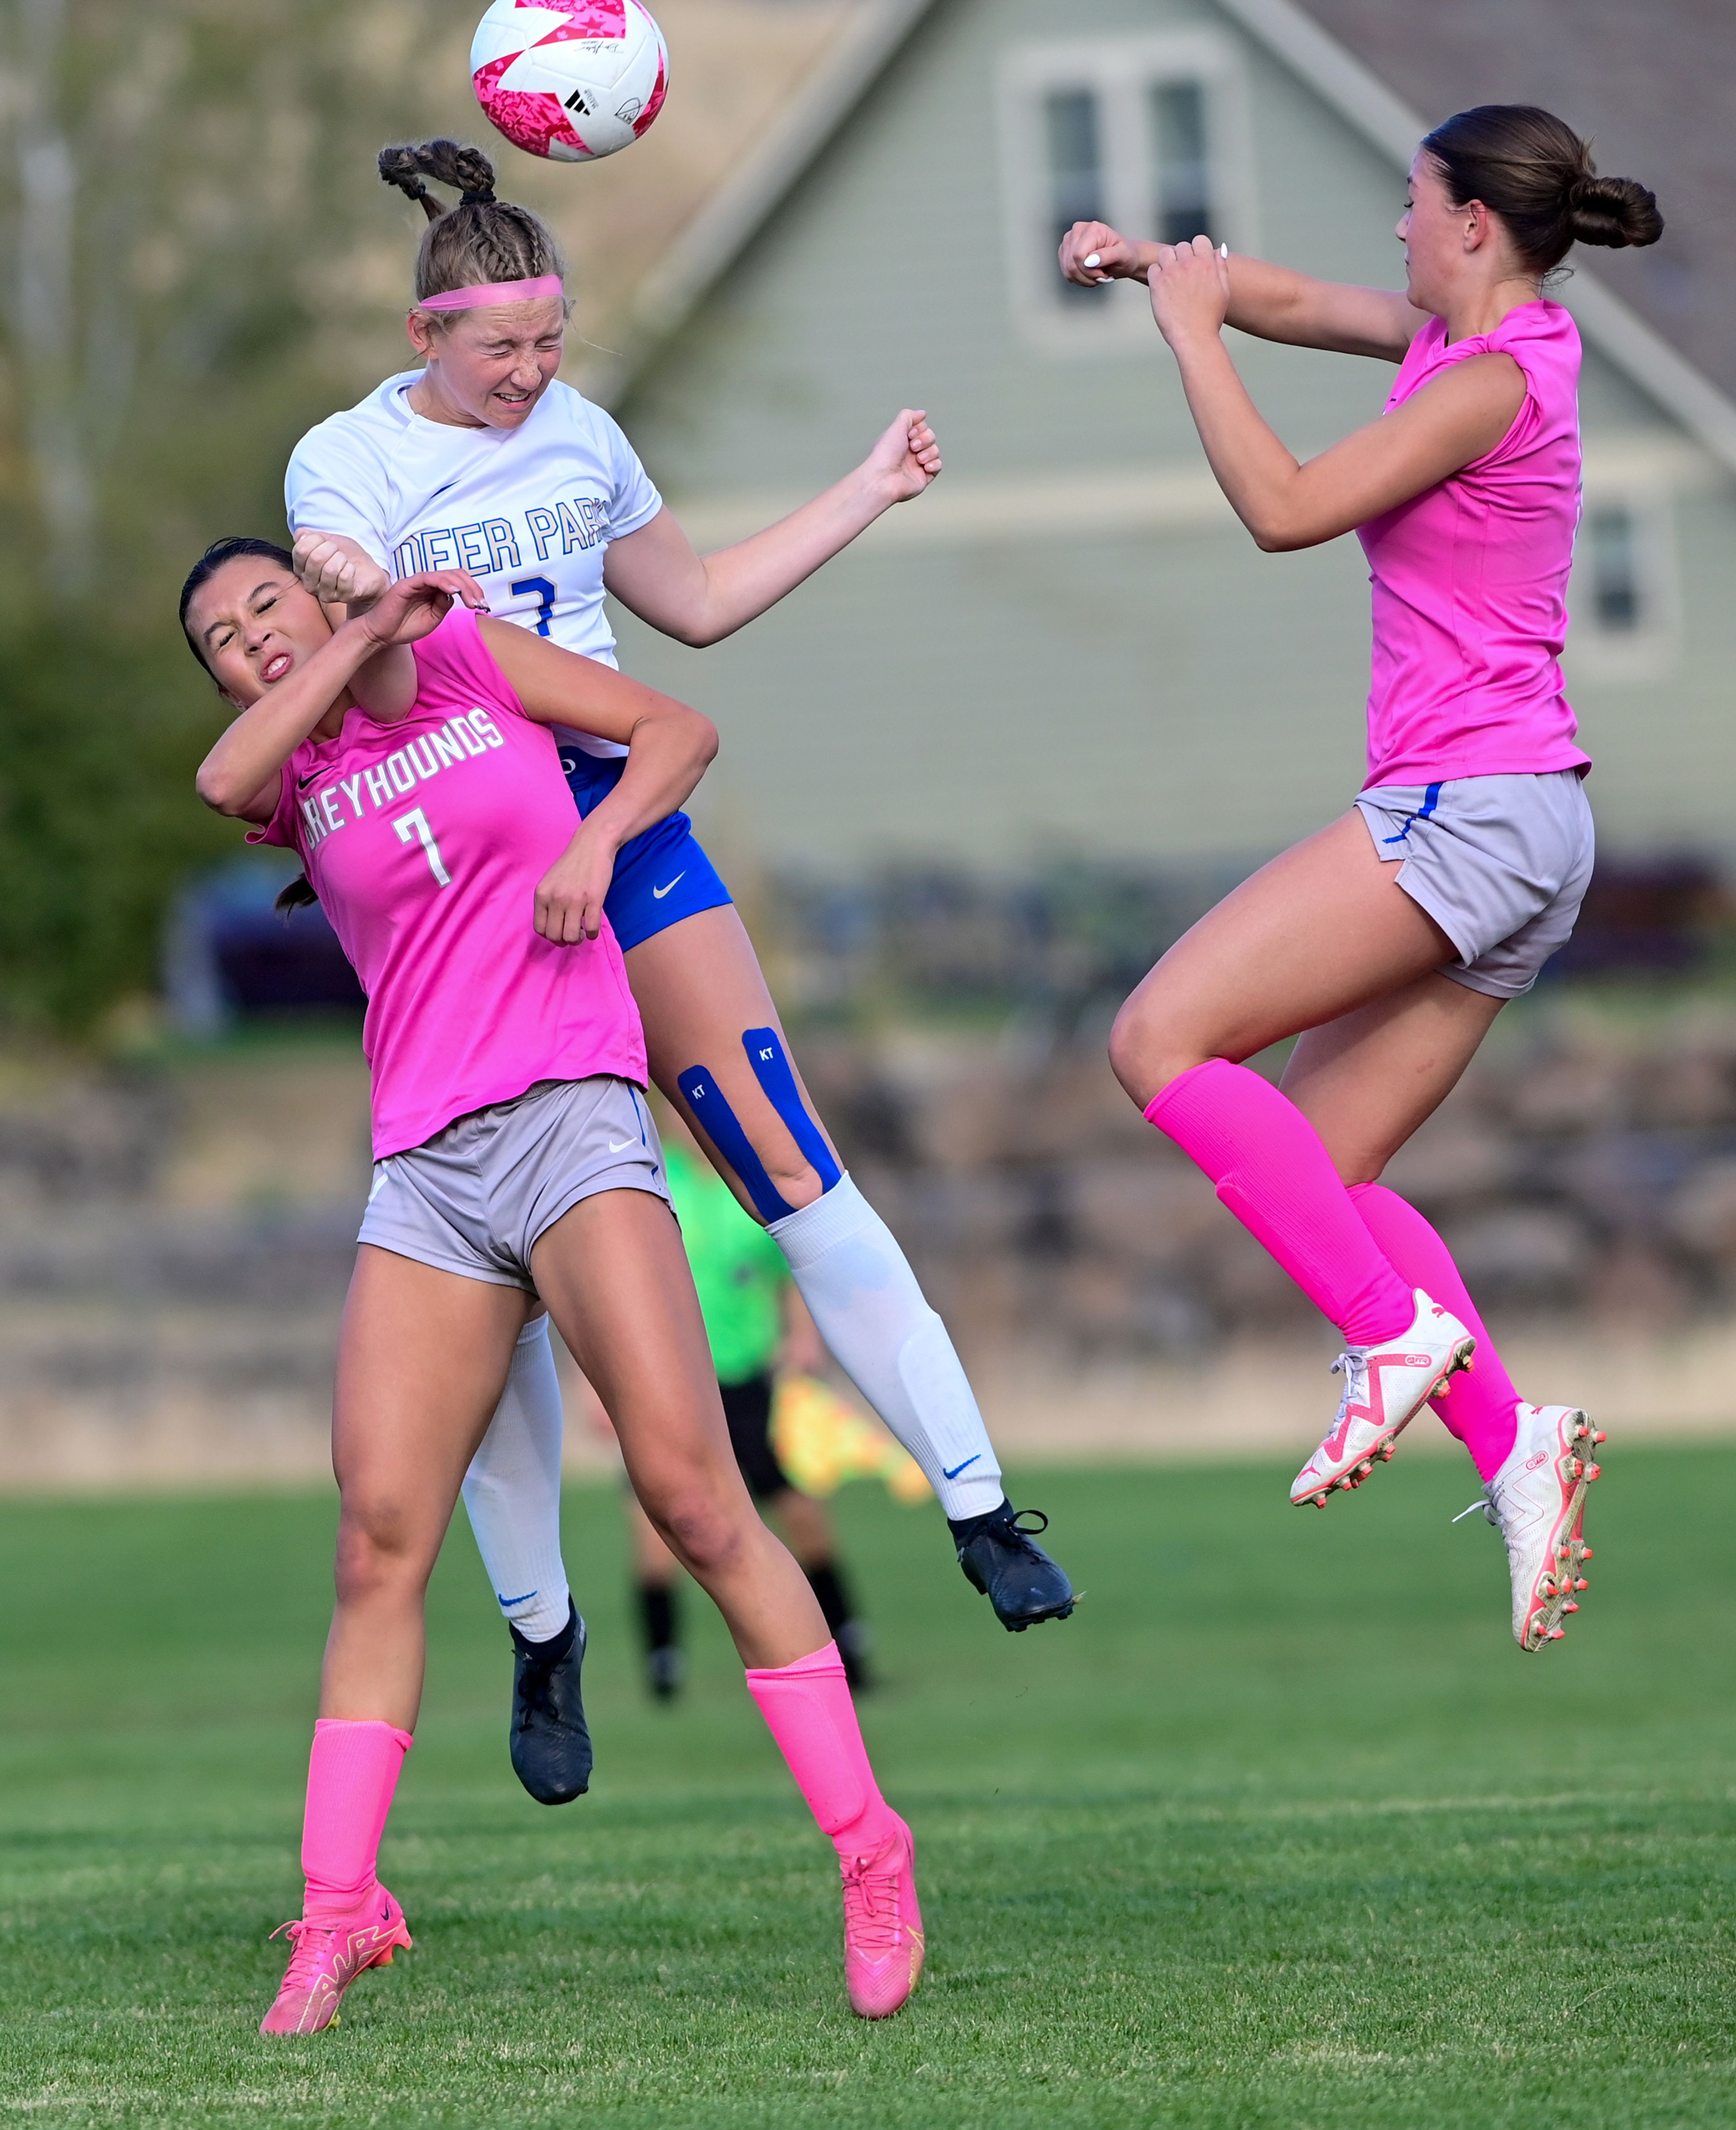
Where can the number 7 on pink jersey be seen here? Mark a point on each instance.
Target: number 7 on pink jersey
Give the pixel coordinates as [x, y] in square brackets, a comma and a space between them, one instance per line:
[415, 824]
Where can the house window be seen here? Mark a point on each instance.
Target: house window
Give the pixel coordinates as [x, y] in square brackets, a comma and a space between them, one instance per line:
[1624, 601]
[1146, 133]
[1073, 134]
[1616, 602]
[1183, 206]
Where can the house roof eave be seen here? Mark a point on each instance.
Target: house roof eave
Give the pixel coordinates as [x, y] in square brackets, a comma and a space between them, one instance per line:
[1383, 119]
[722, 230]
[727, 224]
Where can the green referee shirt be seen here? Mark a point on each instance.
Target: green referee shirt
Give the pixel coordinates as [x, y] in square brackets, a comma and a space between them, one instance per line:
[738, 1270]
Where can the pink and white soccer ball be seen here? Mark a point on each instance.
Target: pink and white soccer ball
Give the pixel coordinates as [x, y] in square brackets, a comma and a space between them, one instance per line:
[572, 79]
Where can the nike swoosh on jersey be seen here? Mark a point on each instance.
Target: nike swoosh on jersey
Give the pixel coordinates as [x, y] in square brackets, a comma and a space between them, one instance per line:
[616, 1145]
[303, 782]
[440, 491]
[658, 893]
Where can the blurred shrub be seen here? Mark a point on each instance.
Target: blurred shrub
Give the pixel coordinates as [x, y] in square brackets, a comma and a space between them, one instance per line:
[200, 263]
[99, 737]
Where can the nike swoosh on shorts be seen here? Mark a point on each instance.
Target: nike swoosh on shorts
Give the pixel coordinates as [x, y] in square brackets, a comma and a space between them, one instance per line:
[658, 893]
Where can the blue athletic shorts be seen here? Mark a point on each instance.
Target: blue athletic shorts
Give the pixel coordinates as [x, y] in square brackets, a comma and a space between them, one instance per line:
[662, 876]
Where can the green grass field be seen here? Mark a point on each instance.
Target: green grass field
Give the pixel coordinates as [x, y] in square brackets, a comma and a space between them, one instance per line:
[1280, 1830]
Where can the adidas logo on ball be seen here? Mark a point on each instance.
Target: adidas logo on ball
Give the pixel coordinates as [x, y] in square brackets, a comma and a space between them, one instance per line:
[570, 80]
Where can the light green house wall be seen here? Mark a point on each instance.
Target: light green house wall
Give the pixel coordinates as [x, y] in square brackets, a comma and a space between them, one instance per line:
[995, 686]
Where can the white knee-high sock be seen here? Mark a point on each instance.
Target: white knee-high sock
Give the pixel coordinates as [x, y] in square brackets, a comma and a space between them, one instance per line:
[864, 1296]
[512, 1492]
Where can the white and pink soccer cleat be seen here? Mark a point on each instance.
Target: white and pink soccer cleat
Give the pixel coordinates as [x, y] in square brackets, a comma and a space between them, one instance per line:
[883, 1926]
[1386, 1387]
[1536, 1501]
[326, 1959]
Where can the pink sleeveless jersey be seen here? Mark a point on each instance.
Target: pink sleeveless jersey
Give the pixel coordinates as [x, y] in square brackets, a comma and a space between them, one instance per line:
[1470, 578]
[425, 840]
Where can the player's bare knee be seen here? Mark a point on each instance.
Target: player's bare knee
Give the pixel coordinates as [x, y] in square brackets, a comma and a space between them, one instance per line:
[795, 1181]
[1146, 1051]
[700, 1530]
[801, 1166]
[376, 1548]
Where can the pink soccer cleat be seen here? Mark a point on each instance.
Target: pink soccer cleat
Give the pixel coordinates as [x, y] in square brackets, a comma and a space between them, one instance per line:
[326, 1959]
[1386, 1387]
[1536, 1501]
[883, 1926]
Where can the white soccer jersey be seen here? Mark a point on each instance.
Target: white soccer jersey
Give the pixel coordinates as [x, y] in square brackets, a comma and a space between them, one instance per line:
[530, 512]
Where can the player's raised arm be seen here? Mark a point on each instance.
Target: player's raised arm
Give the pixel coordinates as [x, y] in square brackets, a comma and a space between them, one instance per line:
[1274, 302]
[700, 600]
[1457, 417]
[265, 648]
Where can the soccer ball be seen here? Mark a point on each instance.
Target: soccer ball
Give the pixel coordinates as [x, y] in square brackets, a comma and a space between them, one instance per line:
[572, 79]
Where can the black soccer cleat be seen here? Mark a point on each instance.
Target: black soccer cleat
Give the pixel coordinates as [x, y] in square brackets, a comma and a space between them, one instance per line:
[664, 1671]
[550, 1741]
[1018, 1578]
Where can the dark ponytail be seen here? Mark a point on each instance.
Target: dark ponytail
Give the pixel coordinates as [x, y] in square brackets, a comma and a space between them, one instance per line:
[299, 895]
[482, 238]
[1535, 172]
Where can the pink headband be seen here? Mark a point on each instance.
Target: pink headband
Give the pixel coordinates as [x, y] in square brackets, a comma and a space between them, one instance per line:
[492, 292]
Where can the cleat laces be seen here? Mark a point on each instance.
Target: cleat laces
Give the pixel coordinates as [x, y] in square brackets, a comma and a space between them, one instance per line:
[304, 1939]
[870, 1909]
[1485, 1503]
[1017, 1533]
[536, 1694]
[1353, 1366]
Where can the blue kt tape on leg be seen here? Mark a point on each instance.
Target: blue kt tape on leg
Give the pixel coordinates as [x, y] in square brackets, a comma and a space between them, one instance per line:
[771, 1068]
[723, 1127]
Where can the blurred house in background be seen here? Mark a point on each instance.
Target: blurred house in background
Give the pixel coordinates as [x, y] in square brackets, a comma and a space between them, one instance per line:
[1070, 646]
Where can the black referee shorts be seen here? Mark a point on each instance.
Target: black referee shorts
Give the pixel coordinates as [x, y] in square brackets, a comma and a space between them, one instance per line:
[748, 1409]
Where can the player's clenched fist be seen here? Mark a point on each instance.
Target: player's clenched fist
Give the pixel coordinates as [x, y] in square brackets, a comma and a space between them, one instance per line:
[337, 571]
[907, 457]
[1190, 288]
[1112, 257]
[570, 895]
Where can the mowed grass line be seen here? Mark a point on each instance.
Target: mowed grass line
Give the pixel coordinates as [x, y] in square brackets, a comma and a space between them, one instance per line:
[1280, 1830]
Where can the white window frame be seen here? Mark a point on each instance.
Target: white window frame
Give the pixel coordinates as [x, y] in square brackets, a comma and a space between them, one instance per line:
[1652, 649]
[1121, 72]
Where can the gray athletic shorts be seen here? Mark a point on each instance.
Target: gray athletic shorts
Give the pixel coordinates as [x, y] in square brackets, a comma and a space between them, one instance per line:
[476, 1197]
[1501, 863]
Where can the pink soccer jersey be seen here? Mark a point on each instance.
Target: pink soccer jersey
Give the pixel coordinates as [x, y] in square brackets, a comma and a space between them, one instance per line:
[425, 839]
[1470, 578]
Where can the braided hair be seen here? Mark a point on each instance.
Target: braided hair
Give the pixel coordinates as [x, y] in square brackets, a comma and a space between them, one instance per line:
[482, 238]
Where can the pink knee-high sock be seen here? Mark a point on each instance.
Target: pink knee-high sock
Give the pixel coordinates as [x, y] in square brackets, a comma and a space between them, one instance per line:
[352, 1772]
[808, 1710]
[1481, 1408]
[1275, 1175]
